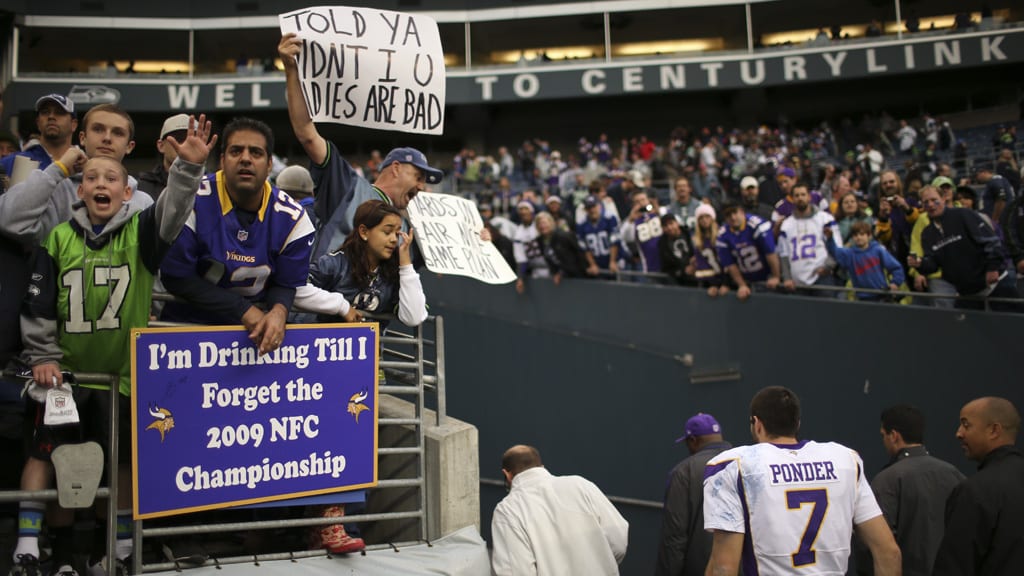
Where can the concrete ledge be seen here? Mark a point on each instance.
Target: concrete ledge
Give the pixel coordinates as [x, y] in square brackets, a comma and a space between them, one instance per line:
[452, 480]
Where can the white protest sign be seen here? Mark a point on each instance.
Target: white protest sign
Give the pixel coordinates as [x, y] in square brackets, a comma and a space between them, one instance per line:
[368, 67]
[447, 229]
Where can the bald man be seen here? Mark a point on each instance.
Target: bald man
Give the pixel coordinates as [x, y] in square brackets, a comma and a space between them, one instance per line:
[553, 525]
[985, 513]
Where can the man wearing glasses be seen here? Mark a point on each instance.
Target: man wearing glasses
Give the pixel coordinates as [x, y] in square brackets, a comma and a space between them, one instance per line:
[969, 252]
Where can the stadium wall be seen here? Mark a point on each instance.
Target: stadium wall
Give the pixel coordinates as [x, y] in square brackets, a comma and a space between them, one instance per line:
[595, 374]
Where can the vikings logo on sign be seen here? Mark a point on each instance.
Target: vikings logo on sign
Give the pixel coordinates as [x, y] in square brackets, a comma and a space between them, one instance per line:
[163, 420]
[355, 404]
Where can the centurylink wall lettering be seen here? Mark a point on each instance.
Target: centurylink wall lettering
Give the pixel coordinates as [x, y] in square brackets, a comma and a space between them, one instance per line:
[574, 79]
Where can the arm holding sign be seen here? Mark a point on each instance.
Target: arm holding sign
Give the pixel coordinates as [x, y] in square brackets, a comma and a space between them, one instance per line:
[305, 130]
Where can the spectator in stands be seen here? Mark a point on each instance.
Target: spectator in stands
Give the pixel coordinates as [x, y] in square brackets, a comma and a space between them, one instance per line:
[56, 123]
[684, 547]
[502, 224]
[8, 144]
[985, 513]
[874, 29]
[803, 258]
[912, 488]
[967, 250]
[746, 251]
[913, 22]
[749, 194]
[298, 183]
[684, 205]
[553, 525]
[1006, 166]
[528, 261]
[675, 248]
[31, 209]
[896, 216]
[706, 184]
[642, 229]
[907, 137]
[599, 236]
[707, 269]
[786, 177]
[155, 180]
[561, 250]
[871, 160]
[996, 193]
[621, 191]
[340, 189]
[106, 234]
[608, 207]
[866, 262]
[243, 253]
[962, 21]
[933, 283]
[849, 212]
[554, 206]
[1013, 231]
[372, 272]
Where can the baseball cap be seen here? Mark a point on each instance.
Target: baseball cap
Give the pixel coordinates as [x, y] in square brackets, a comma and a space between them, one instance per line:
[700, 425]
[175, 123]
[485, 206]
[786, 171]
[637, 178]
[553, 198]
[941, 181]
[747, 182]
[591, 201]
[417, 159]
[293, 179]
[61, 101]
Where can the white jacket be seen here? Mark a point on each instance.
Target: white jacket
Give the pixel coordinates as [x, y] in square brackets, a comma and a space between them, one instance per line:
[556, 526]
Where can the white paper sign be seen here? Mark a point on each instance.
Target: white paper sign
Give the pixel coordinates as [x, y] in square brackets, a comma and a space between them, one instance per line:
[23, 166]
[372, 68]
[447, 229]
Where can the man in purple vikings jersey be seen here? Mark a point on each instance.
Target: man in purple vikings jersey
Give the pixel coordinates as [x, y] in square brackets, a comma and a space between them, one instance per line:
[600, 235]
[642, 230]
[245, 247]
[746, 249]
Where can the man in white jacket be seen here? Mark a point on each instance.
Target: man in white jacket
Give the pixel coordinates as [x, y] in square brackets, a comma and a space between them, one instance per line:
[553, 525]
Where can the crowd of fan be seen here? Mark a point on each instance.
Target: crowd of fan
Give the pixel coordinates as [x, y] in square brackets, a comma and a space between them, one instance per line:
[766, 208]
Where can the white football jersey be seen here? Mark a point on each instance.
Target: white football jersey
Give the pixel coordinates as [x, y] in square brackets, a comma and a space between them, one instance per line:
[802, 240]
[797, 505]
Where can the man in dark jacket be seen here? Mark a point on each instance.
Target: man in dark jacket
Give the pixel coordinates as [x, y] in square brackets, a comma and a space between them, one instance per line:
[985, 513]
[912, 490]
[967, 249]
[154, 181]
[685, 546]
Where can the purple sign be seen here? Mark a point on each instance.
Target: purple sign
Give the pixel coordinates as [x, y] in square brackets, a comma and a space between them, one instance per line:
[214, 424]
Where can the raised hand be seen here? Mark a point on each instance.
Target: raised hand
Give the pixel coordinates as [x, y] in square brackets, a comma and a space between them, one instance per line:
[288, 49]
[198, 142]
[74, 159]
[405, 248]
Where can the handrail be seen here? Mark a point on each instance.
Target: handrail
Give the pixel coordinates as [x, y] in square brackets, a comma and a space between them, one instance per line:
[418, 383]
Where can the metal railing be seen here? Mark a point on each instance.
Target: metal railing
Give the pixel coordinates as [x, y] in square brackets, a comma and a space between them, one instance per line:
[404, 360]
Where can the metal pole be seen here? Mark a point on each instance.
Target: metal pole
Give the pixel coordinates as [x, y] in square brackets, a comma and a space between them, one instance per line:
[607, 37]
[750, 28]
[191, 53]
[442, 403]
[899, 20]
[469, 47]
[14, 52]
[115, 397]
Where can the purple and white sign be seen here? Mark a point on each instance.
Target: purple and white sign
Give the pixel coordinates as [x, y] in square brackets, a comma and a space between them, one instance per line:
[214, 424]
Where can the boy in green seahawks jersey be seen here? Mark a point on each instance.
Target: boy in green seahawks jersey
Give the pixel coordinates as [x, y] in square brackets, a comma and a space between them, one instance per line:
[92, 283]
